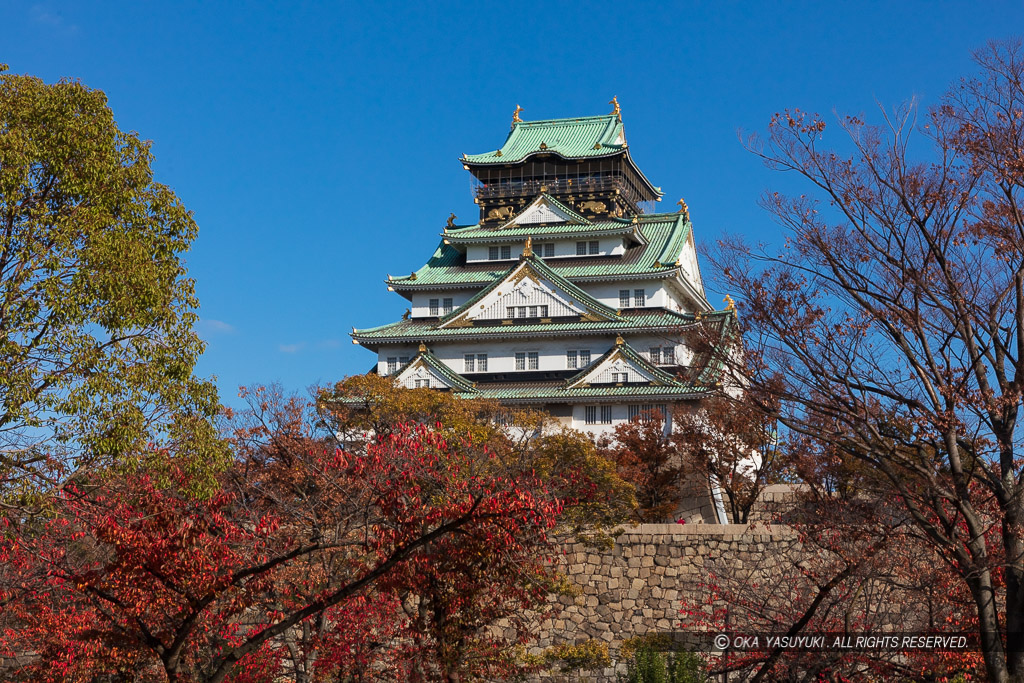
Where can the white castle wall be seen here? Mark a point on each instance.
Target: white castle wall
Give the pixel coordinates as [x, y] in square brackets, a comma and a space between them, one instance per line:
[551, 353]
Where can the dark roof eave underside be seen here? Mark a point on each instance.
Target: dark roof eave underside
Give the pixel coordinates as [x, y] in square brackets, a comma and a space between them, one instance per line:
[624, 151]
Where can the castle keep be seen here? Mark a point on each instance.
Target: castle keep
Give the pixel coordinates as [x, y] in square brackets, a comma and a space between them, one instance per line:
[568, 293]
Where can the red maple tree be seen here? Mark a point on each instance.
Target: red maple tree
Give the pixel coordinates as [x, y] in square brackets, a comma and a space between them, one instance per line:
[134, 578]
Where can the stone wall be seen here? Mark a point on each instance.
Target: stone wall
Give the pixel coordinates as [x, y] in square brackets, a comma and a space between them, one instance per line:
[638, 587]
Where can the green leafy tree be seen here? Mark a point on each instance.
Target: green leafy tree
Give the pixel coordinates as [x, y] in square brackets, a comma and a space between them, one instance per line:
[97, 345]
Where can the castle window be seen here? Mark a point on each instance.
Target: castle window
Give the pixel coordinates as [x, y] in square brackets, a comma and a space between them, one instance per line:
[646, 411]
[492, 253]
[403, 361]
[521, 360]
[392, 364]
[506, 252]
[434, 305]
[639, 298]
[623, 298]
[590, 415]
[422, 383]
[663, 355]
[577, 358]
[469, 363]
[534, 359]
[606, 415]
[543, 311]
[533, 311]
[581, 248]
[620, 377]
[448, 306]
[481, 362]
[549, 250]
[520, 311]
[595, 247]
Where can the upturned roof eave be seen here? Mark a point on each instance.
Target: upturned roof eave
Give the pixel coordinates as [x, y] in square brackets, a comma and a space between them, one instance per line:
[538, 231]
[498, 161]
[366, 337]
[604, 277]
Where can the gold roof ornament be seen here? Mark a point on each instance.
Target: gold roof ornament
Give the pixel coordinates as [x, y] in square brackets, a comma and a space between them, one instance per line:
[684, 209]
[528, 247]
[451, 221]
[515, 115]
[731, 304]
[423, 347]
[619, 341]
[617, 109]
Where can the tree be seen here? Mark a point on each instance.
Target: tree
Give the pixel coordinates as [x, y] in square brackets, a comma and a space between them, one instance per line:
[893, 320]
[647, 457]
[847, 564]
[302, 563]
[595, 496]
[732, 441]
[96, 311]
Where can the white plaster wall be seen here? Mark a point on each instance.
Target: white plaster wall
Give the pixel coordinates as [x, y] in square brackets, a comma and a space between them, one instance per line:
[620, 414]
[421, 301]
[409, 351]
[609, 246]
[688, 262]
[608, 293]
[501, 354]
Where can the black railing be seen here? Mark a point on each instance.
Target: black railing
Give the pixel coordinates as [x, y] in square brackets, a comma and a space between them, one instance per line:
[521, 188]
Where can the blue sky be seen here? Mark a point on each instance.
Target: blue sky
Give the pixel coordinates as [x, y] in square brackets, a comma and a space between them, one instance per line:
[317, 143]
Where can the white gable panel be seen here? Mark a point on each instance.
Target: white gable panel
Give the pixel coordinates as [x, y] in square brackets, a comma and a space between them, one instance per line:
[526, 292]
[541, 211]
[419, 372]
[617, 365]
[688, 263]
[618, 368]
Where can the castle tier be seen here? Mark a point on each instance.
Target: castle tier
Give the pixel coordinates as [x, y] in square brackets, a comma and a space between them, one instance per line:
[566, 294]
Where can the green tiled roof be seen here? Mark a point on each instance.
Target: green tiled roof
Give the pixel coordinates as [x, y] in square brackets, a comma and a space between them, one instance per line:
[478, 234]
[664, 234]
[590, 136]
[578, 227]
[425, 329]
[533, 393]
[705, 372]
[415, 330]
